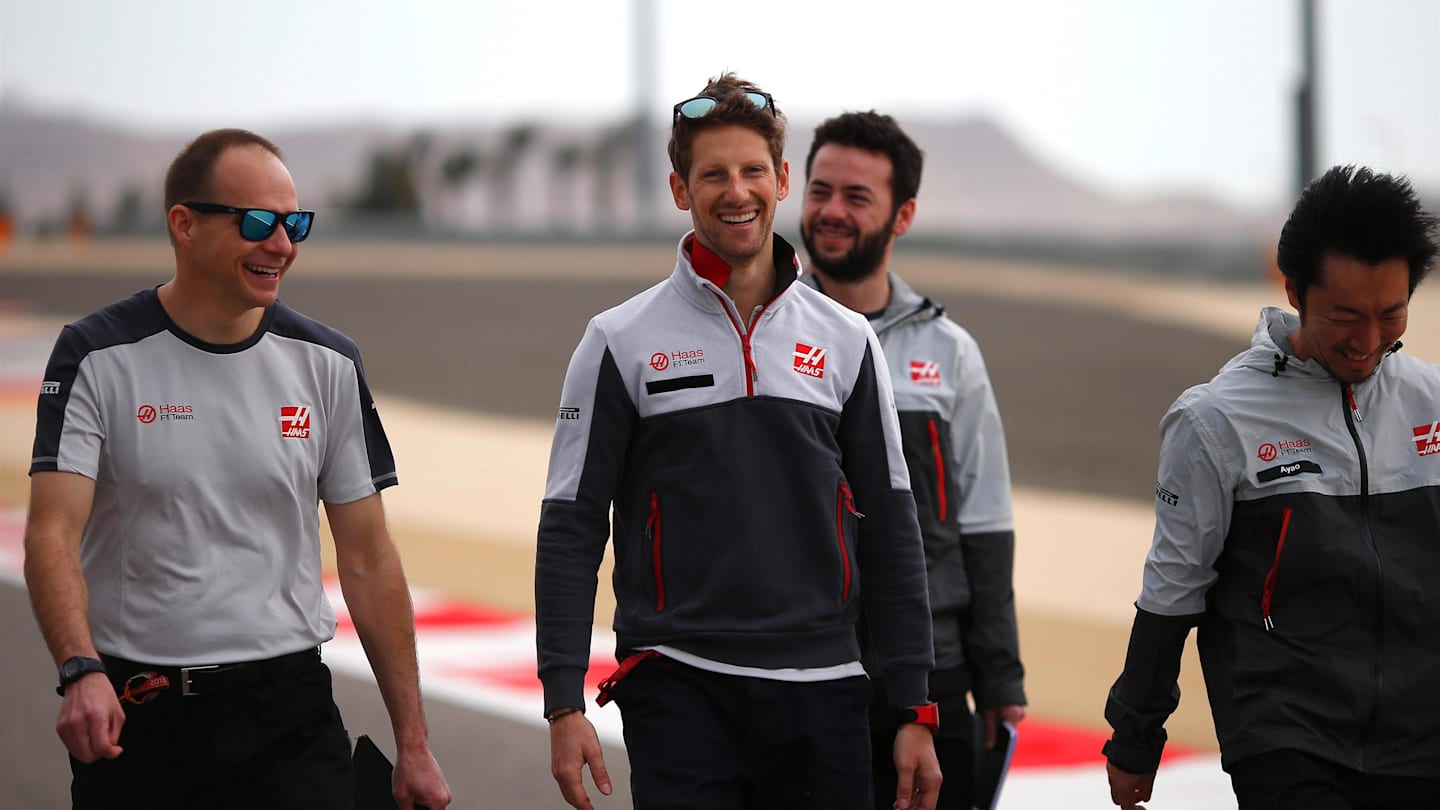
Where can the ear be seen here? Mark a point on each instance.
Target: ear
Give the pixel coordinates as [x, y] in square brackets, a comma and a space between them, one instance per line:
[782, 177]
[677, 190]
[1292, 294]
[905, 217]
[181, 222]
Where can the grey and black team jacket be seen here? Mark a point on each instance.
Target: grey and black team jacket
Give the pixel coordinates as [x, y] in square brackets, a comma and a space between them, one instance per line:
[757, 482]
[1298, 524]
[955, 448]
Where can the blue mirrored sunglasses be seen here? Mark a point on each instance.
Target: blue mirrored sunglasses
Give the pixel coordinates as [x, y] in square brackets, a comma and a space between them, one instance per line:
[256, 224]
[700, 106]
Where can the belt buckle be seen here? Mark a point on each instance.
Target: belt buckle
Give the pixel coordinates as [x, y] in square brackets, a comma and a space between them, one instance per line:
[185, 688]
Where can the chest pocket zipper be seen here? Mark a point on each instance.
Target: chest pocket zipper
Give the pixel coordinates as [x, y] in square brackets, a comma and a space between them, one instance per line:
[844, 502]
[1269, 591]
[940, 505]
[652, 533]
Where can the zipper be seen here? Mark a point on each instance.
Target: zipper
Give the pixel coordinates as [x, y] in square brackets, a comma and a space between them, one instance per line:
[844, 502]
[939, 469]
[1354, 408]
[1352, 420]
[652, 533]
[1270, 577]
[752, 371]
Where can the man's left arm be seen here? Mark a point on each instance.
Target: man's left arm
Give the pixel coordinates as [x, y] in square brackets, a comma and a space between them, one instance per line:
[373, 581]
[892, 567]
[989, 633]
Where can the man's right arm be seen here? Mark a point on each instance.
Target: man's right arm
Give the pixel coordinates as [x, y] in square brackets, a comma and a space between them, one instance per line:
[586, 457]
[60, 502]
[1192, 513]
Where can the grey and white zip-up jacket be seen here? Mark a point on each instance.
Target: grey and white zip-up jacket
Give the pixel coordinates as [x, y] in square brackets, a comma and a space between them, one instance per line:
[756, 478]
[960, 473]
[1298, 524]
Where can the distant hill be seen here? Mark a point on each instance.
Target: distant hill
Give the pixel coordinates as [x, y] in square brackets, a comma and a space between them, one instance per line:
[979, 180]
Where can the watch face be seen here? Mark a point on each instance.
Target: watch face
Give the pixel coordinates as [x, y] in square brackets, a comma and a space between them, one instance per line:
[79, 665]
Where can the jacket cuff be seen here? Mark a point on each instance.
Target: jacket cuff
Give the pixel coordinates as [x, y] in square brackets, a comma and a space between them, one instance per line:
[564, 686]
[999, 694]
[907, 687]
[1134, 757]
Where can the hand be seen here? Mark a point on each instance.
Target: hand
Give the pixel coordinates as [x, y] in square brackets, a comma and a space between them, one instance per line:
[574, 744]
[918, 787]
[1129, 789]
[994, 715]
[417, 781]
[90, 719]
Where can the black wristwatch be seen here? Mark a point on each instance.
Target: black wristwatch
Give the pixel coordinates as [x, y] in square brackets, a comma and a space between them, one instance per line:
[926, 714]
[76, 668]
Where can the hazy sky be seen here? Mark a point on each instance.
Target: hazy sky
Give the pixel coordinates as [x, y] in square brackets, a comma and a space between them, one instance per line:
[1136, 95]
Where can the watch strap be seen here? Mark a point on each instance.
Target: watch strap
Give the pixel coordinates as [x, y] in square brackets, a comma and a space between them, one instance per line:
[76, 667]
[925, 714]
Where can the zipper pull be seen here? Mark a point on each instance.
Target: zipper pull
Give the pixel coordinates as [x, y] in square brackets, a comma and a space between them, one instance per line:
[1268, 590]
[850, 501]
[1354, 408]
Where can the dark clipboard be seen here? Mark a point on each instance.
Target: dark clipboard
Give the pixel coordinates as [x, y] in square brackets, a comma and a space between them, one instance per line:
[993, 765]
[372, 777]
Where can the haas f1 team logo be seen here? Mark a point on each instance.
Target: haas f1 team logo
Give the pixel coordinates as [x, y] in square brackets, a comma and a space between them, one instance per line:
[809, 360]
[1427, 439]
[295, 421]
[924, 372]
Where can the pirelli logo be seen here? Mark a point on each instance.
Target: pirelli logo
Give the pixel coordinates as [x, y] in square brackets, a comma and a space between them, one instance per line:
[1427, 439]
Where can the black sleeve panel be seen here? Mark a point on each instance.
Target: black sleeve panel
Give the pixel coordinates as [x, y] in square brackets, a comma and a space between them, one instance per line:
[988, 629]
[891, 556]
[1147, 691]
[572, 541]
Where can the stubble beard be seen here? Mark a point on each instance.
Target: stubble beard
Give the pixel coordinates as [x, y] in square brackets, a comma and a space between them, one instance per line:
[860, 261]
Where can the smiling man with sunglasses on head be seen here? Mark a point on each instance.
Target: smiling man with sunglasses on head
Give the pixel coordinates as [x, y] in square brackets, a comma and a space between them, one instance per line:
[742, 427]
[184, 437]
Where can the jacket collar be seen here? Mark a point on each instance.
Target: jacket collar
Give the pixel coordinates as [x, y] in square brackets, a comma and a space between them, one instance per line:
[699, 272]
[905, 304]
[1271, 352]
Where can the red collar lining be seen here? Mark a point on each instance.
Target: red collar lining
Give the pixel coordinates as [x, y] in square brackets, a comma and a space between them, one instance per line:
[707, 265]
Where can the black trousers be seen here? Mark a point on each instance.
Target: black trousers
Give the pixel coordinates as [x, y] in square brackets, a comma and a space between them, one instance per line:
[701, 740]
[1293, 780]
[278, 743]
[955, 744]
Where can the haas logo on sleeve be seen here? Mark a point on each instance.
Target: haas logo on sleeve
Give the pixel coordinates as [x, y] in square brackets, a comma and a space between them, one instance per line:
[295, 421]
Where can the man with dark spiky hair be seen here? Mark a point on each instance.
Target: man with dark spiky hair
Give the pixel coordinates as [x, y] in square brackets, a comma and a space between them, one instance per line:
[1297, 524]
[862, 176]
[737, 425]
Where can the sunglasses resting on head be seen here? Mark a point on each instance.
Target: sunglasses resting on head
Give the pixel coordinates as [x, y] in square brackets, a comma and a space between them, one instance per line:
[256, 224]
[701, 106]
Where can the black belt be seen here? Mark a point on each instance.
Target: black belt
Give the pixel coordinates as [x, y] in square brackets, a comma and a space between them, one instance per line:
[213, 679]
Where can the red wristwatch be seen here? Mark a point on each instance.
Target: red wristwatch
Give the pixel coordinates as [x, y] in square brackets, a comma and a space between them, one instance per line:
[927, 715]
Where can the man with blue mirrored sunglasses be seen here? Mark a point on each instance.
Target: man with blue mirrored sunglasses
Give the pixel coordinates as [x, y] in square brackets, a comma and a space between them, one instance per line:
[256, 224]
[184, 437]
